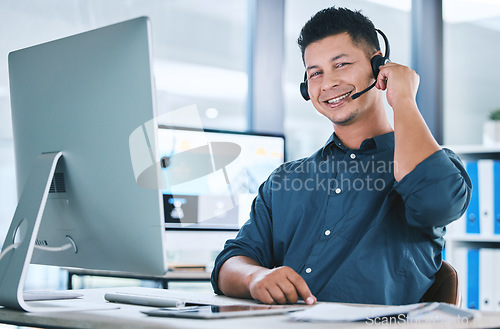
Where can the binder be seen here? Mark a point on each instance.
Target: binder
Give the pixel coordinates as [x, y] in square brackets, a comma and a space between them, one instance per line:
[485, 195]
[496, 283]
[487, 268]
[473, 279]
[472, 214]
[496, 197]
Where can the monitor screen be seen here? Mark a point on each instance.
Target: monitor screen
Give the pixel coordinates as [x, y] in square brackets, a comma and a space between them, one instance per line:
[84, 97]
[213, 176]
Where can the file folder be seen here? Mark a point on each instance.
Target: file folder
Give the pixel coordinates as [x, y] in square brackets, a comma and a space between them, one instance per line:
[486, 279]
[473, 279]
[485, 189]
[472, 214]
[496, 284]
[496, 197]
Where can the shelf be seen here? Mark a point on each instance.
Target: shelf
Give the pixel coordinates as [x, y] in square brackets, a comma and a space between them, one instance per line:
[473, 242]
[474, 238]
[475, 152]
[473, 149]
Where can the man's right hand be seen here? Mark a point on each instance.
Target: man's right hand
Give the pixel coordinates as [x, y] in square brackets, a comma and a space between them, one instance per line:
[243, 277]
[280, 285]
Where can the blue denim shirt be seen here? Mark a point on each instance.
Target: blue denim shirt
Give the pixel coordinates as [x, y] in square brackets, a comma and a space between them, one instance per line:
[341, 221]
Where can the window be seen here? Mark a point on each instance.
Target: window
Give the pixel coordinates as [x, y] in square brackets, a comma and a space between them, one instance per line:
[471, 69]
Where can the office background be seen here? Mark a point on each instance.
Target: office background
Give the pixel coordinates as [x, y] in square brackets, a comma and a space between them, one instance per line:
[238, 61]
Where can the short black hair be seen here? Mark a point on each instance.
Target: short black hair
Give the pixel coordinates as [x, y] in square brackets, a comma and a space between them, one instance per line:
[333, 21]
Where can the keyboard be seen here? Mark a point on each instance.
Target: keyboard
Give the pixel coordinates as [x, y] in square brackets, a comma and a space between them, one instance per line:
[163, 298]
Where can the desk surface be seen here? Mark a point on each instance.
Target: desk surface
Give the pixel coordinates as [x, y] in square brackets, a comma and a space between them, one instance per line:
[129, 316]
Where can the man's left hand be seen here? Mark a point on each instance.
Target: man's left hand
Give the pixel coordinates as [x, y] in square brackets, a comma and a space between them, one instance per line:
[400, 81]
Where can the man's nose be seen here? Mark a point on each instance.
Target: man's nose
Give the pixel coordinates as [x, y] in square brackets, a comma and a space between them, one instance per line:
[330, 80]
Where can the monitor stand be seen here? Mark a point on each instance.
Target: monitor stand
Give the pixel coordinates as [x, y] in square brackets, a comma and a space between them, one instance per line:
[20, 241]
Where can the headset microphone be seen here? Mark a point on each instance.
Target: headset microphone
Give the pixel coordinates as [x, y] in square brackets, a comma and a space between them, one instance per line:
[376, 62]
[356, 95]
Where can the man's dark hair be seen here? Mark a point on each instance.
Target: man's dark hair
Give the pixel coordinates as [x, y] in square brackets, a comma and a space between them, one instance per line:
[333, 21]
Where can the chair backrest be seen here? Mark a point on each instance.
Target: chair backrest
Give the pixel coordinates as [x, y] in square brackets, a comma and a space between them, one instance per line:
[445, 288]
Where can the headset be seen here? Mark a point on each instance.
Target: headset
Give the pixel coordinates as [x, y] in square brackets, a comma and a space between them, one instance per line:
[376, 62]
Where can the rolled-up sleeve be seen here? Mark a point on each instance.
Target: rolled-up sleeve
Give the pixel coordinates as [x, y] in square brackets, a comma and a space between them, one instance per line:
[436, 192]
[254, 239]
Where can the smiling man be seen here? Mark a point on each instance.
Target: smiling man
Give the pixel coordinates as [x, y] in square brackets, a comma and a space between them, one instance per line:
[361, 220]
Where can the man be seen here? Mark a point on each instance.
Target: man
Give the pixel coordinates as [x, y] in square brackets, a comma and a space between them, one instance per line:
[363, 219]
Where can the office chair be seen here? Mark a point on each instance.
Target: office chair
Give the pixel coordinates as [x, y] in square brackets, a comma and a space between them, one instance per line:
[445, 287]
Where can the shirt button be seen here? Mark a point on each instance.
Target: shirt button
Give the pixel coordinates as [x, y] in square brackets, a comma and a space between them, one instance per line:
[327, 232]
[338, 190]
[353, 156]
[308, 270]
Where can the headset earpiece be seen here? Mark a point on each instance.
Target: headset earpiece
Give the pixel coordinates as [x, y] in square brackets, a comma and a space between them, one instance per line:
[377, 61]
[304, 88]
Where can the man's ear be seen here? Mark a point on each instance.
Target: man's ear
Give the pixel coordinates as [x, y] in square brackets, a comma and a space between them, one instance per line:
[378, 52]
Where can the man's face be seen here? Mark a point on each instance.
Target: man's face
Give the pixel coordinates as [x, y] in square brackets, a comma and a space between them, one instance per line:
[337, 68]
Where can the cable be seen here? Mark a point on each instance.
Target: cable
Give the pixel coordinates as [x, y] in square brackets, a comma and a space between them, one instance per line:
[44, 248]
[55, 249]
[9, 248]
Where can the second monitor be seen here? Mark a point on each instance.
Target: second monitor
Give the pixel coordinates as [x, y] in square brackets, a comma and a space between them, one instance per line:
[221, 173]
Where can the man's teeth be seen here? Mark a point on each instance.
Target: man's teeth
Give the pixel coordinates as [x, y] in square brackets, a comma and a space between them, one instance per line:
[338, 99]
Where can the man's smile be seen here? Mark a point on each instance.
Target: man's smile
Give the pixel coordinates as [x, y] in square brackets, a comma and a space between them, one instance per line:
[338, 99]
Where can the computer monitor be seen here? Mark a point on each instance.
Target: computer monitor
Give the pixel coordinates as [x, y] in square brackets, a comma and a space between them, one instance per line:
[75, 103]
[200, 198]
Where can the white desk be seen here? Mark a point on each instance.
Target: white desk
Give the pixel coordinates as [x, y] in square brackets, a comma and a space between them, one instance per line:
[129, 316]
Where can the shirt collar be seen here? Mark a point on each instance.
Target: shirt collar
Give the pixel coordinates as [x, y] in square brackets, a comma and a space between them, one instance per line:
[378, 143]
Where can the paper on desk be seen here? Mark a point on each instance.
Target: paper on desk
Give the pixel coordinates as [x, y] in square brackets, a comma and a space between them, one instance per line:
[342, 313]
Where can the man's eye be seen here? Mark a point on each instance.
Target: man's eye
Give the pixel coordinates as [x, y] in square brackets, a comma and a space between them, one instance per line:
[315, 74]
[339, 65]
